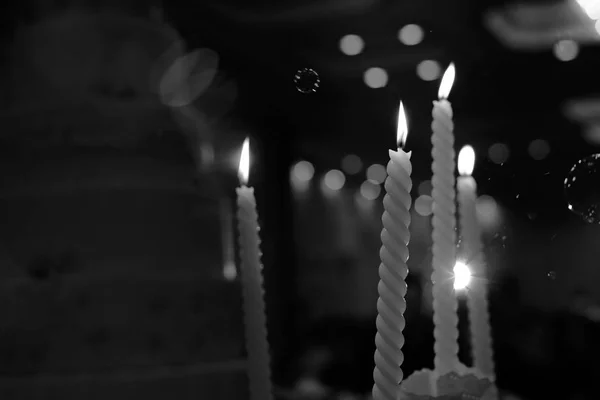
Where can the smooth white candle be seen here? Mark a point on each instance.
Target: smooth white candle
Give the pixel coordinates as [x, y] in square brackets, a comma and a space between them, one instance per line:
[479, 319]
[255, 321]
[445, 303]
[393, 271]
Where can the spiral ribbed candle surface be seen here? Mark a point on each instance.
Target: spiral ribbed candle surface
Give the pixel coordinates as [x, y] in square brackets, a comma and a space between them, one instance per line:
[392, 273]
[445, 304]
[479, 319]
[255, 321]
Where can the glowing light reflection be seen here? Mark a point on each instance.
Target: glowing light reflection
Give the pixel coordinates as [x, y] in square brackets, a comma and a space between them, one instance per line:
[462, 276]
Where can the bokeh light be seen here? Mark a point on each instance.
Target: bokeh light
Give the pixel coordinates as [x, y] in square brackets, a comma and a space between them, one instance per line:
[229, 271]
[411, 35]
[539, 149]
[488, 212]
[462, 276]
[376, 78]
[352, 164]
[334, 179]
[498, 153]
[370, 190]
[303, 171]
[592, 134]
[376, 173]
[310, 387]
[363, 204]
[352, 45]
[566, 50]
[301, 174]
[425, 188]
[188, 77]
[429, 70]
[424, 205]
[597, 26]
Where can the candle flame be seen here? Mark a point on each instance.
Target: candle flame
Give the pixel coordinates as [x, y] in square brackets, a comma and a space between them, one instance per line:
[244, 168]
[402, 131]
[466, 161]
[591, 8]
[447, 82]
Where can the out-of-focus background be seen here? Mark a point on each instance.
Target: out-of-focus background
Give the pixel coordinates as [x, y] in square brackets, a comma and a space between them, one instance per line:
[122, 126]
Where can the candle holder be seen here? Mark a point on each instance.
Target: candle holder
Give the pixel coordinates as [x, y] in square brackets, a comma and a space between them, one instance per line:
[463, 384]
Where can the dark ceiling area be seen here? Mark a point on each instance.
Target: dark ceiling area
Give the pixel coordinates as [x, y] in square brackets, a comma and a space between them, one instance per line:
[500, 95]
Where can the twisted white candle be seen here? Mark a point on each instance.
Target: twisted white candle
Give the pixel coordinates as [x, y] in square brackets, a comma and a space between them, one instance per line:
[255, 321]
[392, 272]
[445, 304]
[479, 319]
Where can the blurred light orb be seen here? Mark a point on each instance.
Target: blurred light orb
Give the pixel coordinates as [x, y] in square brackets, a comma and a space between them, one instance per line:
[299, 186]
[488, 211]
[462, 276]
[303, 171]
[582, 189]
[498, 153]
[597, 26]
[188, 77]
[370, 190]
[376, 173]
[566, 50]
[352, 45]
[539, 149]
[352, 164]
[334, 179]
[424, 205]
[411, 35]
[425, 188]
[310, 387]
[229, 271]
[429, 70]
[376, 78]
[362, 203]
[307, 80]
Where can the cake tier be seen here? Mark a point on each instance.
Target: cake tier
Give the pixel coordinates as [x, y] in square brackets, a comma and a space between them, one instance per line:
[144, 310]
[89, 324]
[86, 123]
[90, 78]
[219, 381]
[83, 54]
[81, 172]
[141, 307]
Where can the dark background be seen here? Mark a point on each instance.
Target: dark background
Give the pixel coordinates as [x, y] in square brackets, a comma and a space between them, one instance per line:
[540, 253]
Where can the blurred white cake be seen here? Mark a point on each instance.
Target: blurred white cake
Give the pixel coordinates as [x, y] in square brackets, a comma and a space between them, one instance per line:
[111, 283]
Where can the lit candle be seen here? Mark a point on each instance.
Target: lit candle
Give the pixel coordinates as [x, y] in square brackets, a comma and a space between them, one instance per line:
[481, 339]
[255, 321]
[393, 270]
[445, 304]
